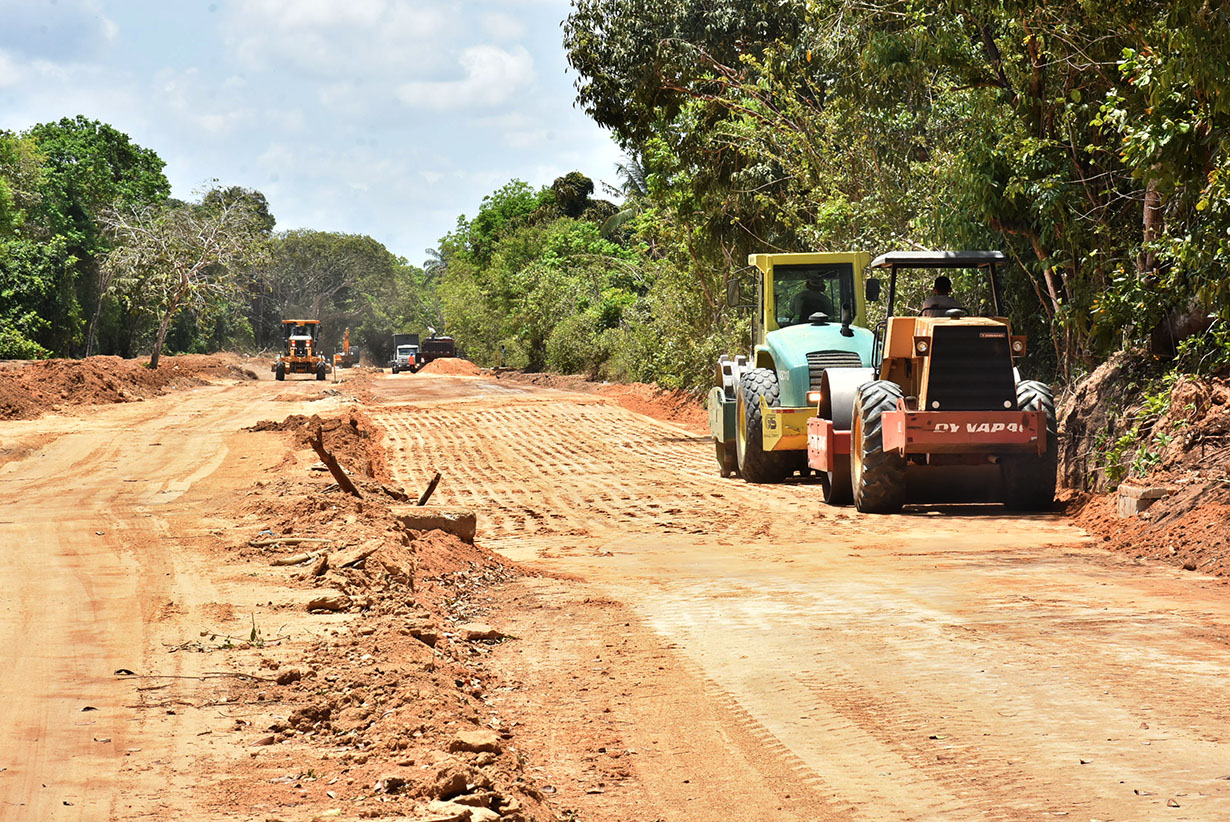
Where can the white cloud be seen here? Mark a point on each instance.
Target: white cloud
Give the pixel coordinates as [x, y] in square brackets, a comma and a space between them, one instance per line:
[493, 77]
[330, 37]
[10, 72]
[195, 101]
[500, 26]
[56, 90]
[381, 117]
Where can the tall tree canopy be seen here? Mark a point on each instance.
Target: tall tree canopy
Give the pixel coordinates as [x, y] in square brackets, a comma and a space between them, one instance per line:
[1088, 140]
[56, 179]
[169, 257]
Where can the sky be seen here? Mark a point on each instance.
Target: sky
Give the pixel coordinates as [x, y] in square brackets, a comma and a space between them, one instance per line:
[390, 118]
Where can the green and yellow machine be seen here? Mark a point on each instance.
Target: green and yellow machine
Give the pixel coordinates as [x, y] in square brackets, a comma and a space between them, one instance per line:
[812, 316]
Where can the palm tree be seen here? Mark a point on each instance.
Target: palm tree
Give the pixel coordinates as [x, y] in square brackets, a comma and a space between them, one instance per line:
[634, 189]
[435, 264]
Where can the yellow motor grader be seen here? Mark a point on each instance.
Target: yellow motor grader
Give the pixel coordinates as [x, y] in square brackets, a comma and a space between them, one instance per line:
[302, 350]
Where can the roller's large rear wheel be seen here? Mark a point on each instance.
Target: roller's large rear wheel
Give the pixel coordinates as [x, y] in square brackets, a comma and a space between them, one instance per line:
[1029, 479]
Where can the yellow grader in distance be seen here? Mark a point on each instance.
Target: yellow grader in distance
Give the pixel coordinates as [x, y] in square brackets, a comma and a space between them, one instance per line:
[302, 352]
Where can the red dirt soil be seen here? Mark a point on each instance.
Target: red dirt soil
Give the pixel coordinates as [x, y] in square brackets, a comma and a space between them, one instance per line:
[673, 406]
[1191, 526]
[31, 389]
[352, 439]
[452, 367]
[386, 705]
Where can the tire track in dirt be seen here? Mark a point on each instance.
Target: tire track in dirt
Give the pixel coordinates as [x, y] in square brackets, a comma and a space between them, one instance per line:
[559, 470]
[946, 663]
[959, 706]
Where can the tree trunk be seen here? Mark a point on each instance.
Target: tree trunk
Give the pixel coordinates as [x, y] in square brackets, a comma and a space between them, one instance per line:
[165, 325]
[1152, 225]
[161, 337]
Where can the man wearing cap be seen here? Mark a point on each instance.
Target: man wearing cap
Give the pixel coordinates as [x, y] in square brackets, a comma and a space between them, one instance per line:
[811, 299]
[940, 301]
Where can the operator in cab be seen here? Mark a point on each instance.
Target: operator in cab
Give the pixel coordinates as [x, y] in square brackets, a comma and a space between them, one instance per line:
[940, 301]
[811, 299]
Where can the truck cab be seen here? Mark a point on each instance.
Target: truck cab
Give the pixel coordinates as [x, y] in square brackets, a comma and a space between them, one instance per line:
[405, 358]
[406, 354]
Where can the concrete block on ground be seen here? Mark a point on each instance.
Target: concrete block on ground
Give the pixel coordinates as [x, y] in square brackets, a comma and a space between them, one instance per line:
[1131, 500]
[460, 522]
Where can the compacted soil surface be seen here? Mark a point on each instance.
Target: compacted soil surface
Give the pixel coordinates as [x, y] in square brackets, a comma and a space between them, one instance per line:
[200, 623]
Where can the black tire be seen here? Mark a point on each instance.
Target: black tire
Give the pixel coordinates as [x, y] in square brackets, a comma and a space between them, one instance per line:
[395, 369]
[320, 371]
[1029, 480]
[279, 371]
[756, 464]
[837, 486]
[877, 477]
[728, 459]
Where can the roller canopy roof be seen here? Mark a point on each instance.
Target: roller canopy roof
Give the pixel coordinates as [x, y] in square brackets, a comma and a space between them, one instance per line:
[938, 259]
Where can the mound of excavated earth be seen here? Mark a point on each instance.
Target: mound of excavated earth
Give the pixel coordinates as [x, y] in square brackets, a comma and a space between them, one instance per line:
[1189, 451]
[31, 389]
[452, 367]
[388, 704]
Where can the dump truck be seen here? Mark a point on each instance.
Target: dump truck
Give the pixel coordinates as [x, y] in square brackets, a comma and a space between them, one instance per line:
[406, 354]
[811, 316]
[435, 348]
[301, 353]
[944, 416]
[348, 357]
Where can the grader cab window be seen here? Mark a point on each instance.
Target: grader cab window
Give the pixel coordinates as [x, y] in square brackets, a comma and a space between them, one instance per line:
[800, 291]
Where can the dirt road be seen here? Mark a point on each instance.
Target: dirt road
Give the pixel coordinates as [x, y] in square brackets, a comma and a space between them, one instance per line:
[102, 507]
[744, 652]
[691, 649]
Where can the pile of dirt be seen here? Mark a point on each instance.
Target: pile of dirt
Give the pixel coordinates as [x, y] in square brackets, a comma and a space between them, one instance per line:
[1190, 528]
[452, 367]
[31, 389]
[392, 700]
[673, 406]
[353, 439]
[1183, 451]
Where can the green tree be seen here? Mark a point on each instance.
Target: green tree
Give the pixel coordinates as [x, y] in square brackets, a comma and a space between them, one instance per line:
[86, 168]
[166, 257]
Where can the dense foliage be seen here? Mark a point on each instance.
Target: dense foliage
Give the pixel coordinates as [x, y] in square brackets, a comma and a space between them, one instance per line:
[1086, 140]
[95, 257]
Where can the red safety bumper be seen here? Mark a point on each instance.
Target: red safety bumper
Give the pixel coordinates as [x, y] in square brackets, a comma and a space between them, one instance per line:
[956, 432]
[824, 443]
